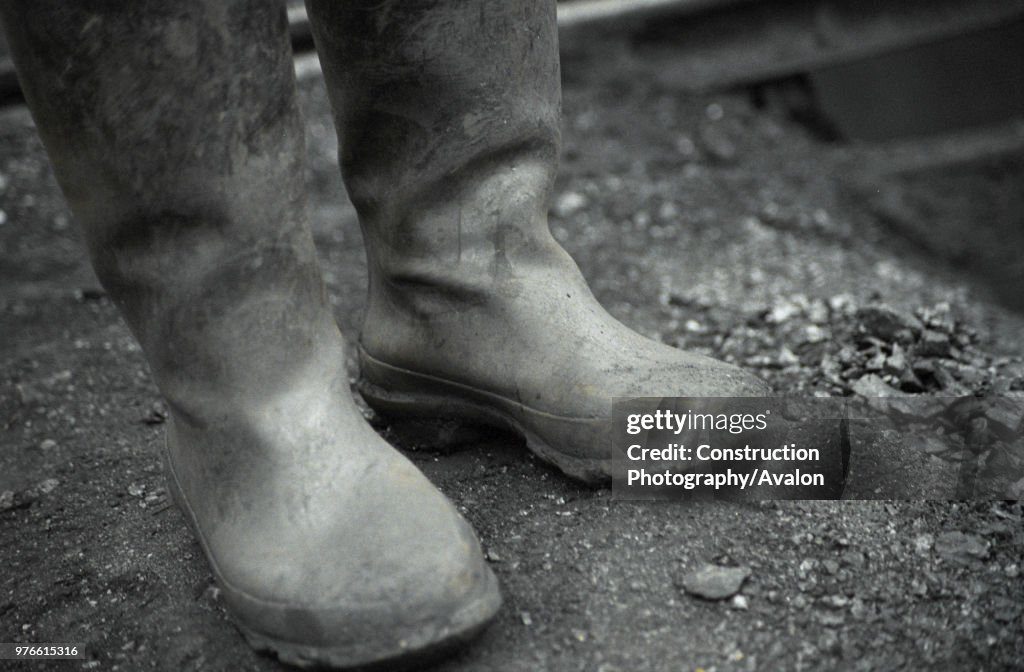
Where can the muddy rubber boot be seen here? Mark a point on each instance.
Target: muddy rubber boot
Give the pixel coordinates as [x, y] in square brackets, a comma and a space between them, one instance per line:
[448, 122]
[174, 132]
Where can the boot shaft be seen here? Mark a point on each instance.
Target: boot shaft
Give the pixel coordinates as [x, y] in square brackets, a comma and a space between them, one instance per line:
[174, 133]
[448, 124]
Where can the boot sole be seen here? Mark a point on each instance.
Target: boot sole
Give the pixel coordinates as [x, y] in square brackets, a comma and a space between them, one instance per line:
[420, 645]
[363, 656]
[437, 412]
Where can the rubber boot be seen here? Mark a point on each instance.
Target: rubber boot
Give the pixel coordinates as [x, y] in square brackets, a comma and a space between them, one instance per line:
[448, 122]
[174, 132]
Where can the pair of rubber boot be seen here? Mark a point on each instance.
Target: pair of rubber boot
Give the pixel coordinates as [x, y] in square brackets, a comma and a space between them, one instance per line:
[174, 133]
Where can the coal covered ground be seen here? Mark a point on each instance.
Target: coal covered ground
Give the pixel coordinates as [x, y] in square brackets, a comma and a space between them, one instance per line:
[704, 221]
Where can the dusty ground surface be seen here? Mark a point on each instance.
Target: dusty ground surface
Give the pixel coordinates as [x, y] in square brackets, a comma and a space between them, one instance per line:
[704, 221]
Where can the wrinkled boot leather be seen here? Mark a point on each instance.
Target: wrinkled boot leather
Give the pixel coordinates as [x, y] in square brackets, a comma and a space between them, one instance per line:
[448, 117]
[179, 146]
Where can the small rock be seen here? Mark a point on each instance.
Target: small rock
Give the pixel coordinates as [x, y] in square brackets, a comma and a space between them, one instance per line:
[846, 355]
[876, 363]
[872, 385]
[904, 336]
[896, 362]
[787, 357]
[959, 546]
[831, 619]
[932, 445]
[1014, 373]
[939, 317]
[136, 490]
[717, 145]
[569, 204]
[970, 375]
[885, 323]
[933, 344]
[835, 601]
[157, 414]
[782, 311]
[974, 358]
[686, 146]
[1013, 491]
[923, 543]
[812, 333]
[48, 444]
[22, 499]
[525, 617]
[739, 602]
[842, 304]
[668, 212]
[714, 582]
[924, 368]
[946, 380]
[211, 593]
[47, 486]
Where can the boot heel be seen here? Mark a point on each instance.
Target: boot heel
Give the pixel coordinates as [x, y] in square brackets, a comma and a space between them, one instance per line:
[445, 435]
[427, 421]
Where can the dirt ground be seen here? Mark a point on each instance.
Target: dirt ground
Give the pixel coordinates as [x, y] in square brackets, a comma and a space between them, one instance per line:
[715, 222]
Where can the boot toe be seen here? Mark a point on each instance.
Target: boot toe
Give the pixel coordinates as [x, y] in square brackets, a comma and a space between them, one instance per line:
[408, 622]
[384, 571]
[407, 581]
